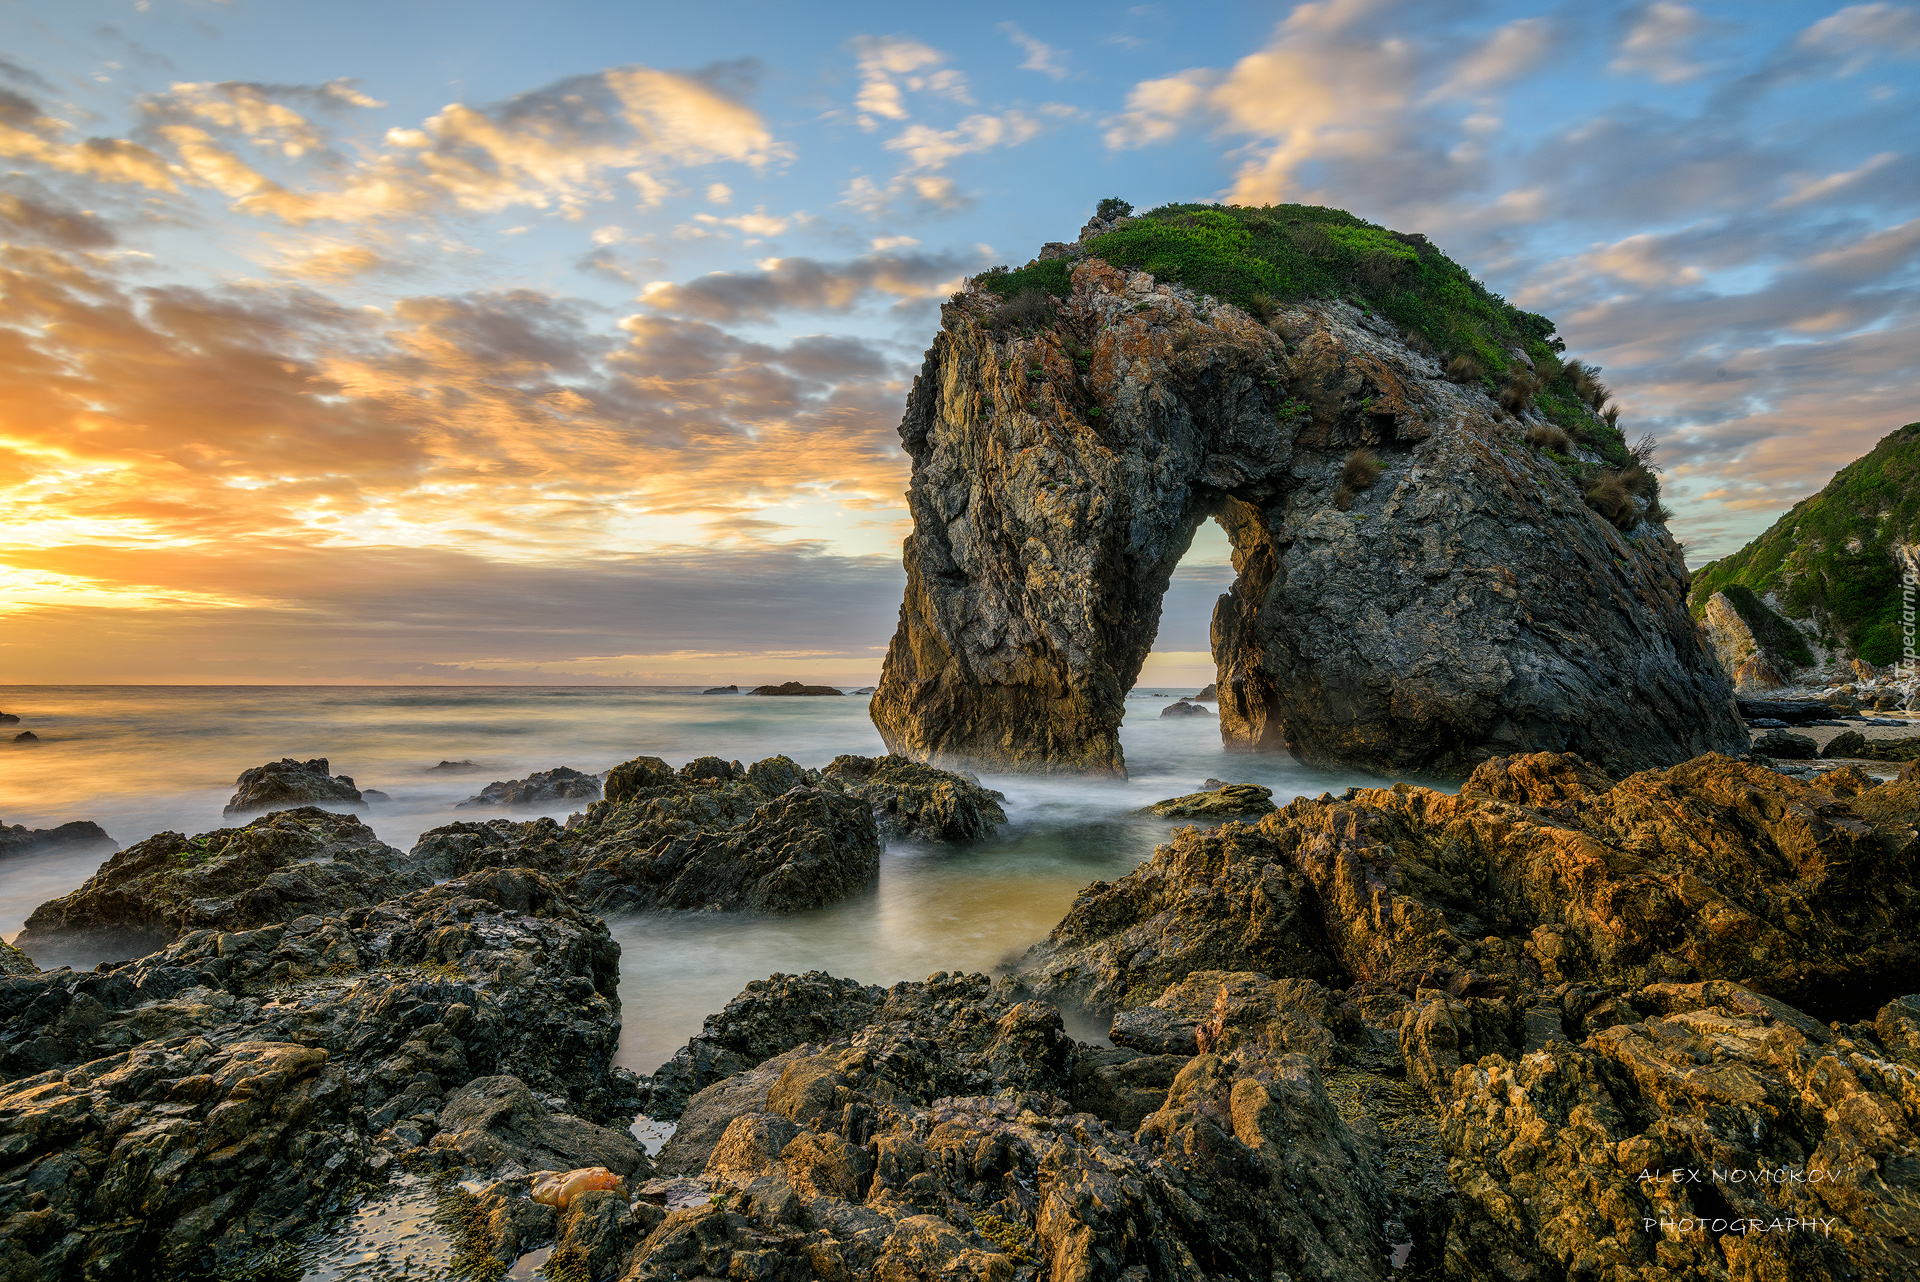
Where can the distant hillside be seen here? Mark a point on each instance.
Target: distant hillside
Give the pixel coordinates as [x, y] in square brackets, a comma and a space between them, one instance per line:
[1831, 563]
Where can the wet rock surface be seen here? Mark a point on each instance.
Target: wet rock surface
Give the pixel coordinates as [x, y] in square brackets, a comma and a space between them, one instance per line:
[1059, 477]
[280, 866]
[287, 782]
[196, 1106]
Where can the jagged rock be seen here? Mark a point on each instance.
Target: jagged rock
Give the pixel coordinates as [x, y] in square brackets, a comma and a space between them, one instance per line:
[1782, 746]
[1907, 749]
[769, 1016]
[15, 962]
[798, 851]
[279, 867]
[716, 835]
[454, 768]
[1211, 692]
[287, 782]
[1045, 536]
[795, 687]
[1540, 867]
[1184, 709]
[542, 788]
[721, 690]
[1223, 801]
[18, 839]
[889, 1153]
[910, 799]
[192, 1107]
[1676, 1141]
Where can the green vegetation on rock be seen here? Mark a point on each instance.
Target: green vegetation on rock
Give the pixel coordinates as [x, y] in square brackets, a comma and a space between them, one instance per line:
[1831, 558]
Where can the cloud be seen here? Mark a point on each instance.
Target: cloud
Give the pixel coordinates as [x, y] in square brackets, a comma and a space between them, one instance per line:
[806, 284]
[890, 67]
[1041, 57]
[1656, 45]
[27, 134]
[1514, 50]
[930, 193]
[42, 220]
[926, 148]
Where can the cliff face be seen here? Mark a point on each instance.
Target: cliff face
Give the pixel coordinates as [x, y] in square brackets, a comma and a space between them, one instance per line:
[1465, 603]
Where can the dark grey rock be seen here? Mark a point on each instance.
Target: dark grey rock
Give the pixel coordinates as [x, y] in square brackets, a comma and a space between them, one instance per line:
[287, 782]
[18, 839]
[542, 788]
[1782, 746]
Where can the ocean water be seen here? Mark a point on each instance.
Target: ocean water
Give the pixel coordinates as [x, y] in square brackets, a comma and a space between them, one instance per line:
[141, 760]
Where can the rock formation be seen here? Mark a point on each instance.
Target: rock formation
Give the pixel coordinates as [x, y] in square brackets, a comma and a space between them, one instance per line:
[279, 867]
[26, 736]
[795, 687]
[287, 782]
[910, 799]
[1463, 602]
[198, 1106]
[721, 690]
[1184, 709]
[1219, 801]
[18, 839]
[542, 788]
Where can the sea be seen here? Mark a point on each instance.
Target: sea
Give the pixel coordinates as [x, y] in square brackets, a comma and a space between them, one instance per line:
[139, 760]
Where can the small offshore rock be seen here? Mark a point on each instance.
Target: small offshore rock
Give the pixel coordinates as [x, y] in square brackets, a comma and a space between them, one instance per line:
[1184, 709]
[1221, 801]
[545, 787]
[18, 839]
[454, 768]
[721, 690]
[9, 719]
[1211, 693]
[912, 799]
[26, 736]
[287, 782]
[794, 687]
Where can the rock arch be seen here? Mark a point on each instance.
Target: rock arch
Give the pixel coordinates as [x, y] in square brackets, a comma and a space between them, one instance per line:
[1466, 604]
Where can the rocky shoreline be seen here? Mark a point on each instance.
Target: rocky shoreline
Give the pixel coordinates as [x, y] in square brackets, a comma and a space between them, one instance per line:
[1392, 1034]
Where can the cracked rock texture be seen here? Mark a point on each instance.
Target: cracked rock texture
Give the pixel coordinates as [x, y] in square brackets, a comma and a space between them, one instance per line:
[287, 782]
[1466, 605]
[201, 1104]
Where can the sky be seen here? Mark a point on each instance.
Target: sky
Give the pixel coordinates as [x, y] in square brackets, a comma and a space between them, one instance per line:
[481, 342]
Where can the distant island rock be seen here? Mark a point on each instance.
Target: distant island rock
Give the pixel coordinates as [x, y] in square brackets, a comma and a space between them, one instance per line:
[794, 687]
[454, 768]
[721, 690]
[1211, 692]
[1184, 709]
[28, 736]
[562, 783]
[866, 690]
[8, 719]
[18, 839]
[287, 782]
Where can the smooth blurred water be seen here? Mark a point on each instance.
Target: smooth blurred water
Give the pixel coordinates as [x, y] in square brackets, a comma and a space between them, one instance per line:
[141, 760]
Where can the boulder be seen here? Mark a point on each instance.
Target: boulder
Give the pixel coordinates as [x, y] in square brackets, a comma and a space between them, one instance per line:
[287, 782]
[543, 788]
[1848, 743]
[15, 962]
[1782, 746]
[186, 1110]
[1184, 709]
[281, 866]
[1211, 693]
[910, 799]
[795, 687]
[17, 839]
[26, 736]
[1793, 712]
[1220, 801]
[1541, 866]
[1146, 409]
[496, 1122]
